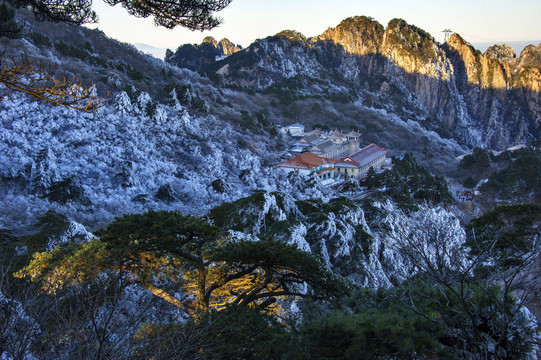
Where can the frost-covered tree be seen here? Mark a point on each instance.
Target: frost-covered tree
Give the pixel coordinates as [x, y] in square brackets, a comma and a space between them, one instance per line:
[123, 102]
[44, 171]
[489, 319]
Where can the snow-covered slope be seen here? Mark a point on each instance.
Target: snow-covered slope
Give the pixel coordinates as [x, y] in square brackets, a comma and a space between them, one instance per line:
[120, 157]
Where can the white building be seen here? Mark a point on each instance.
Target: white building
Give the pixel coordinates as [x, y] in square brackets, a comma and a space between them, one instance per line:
[293, 130]
[358, 163]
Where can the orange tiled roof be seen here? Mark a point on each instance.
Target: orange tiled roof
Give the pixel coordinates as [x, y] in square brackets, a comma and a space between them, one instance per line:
[306, 160]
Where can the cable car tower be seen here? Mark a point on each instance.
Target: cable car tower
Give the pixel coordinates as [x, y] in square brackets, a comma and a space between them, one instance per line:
[447, 32]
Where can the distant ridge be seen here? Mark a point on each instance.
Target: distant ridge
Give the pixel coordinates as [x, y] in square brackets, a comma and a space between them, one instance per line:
[151, 50]
[517, 46]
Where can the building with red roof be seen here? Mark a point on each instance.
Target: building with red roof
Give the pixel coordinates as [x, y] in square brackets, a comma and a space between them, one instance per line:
[309, 164]
[358, 163]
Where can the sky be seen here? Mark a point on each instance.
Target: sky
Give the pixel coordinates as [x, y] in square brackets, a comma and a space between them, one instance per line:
[477, 21]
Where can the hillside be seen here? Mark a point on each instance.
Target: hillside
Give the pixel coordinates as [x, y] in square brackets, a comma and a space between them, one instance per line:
[157, 226]
[165, 135]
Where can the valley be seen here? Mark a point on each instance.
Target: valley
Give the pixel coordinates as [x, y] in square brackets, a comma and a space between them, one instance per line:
[190, 217]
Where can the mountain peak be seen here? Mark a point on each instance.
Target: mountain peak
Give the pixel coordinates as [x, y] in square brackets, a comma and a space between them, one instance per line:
[210, 40]
[359, 35]
[292, 35]
[500, 52]
[197, 57]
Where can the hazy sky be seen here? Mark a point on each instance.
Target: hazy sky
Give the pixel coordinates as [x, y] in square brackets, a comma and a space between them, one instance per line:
[493, 21]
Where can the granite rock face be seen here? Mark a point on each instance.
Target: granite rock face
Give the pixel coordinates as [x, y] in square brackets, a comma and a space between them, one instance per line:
[198, 57]
[491, 99]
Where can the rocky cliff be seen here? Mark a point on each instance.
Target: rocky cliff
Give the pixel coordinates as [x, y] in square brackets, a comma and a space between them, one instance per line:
[494, 94]
[198, 57]
[490, 99]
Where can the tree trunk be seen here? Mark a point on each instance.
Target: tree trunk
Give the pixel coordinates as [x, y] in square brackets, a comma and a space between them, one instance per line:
[202, 303]
[166, 296]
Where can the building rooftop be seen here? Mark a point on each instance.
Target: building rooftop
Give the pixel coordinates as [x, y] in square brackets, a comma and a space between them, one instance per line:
[352, 134]
[311, 139]
[364, 156]
[335, 135]
[296, 125]
[306, 160]
[325, 146]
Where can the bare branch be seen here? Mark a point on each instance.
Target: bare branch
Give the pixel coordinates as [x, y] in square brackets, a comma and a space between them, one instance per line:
[32, 79]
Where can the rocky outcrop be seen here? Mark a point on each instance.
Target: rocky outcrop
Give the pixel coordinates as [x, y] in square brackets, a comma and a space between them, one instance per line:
[227, 47]
[358, 35]
[500, 52]
[486, 71]
[199, 57]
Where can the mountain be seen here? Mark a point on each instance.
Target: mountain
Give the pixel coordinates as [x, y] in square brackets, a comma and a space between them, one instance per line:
[489, 99]
[198, 57]
[203, 144]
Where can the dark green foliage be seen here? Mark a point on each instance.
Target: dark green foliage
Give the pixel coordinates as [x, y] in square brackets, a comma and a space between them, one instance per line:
[503, 157]
[6, 237]
[470, 183]
[370, 181]
[156, 231]
[438, 126]
[136, 75]
[195, 57]
[166, 193]
[188, 97]
[245, 334]
[67, 49]
[298, 266]
[505, 234]
[40, 39]
[408, 183]
[51, 224]
[257, 123]
[372, 325]
[150, 108]
[8, 26]
[232, 333]
[416, 320]
[364, 240]
[220, 186]
[249, 122]
[83, 53]
[67, 191]
[519, 180]
[476, 165]
[287, 91]
[412, 40]
[308, 206]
